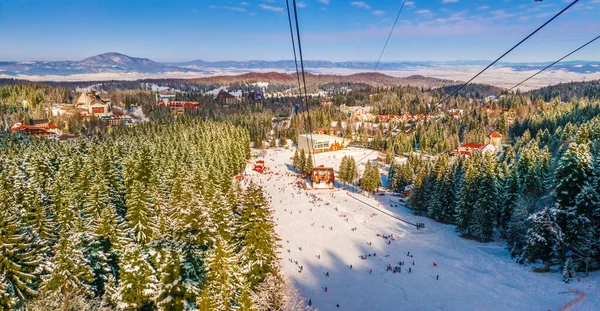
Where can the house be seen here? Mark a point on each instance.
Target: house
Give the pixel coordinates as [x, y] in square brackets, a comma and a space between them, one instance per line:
[43, 129]
[321, 143]
[91, 104]
[179, 107]
[495, 139]
[226, 97]
[117, 120]
[256, 97]
[355, 111]
[467, 148]
[322, 177]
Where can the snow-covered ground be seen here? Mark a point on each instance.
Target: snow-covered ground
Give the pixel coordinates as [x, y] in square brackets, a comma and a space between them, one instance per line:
[318, 234]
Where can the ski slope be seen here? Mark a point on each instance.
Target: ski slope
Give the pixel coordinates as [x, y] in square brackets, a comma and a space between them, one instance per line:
[317, 232]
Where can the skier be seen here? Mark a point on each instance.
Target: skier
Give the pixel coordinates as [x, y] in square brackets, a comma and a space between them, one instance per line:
[409, 270]
[437, 277]
[325, 288]
[350, 266]
[327, 274]
[370, 271]
[309, 302]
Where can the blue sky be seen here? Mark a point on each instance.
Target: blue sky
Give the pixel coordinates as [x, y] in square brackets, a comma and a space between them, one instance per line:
[335, 30]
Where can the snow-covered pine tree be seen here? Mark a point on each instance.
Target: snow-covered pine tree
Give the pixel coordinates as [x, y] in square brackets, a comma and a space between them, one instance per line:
[574, 169]
[223, 278]
[258, 240]
[309, 165]
[352, 170]
[342, 175]
[19, 261]
[467, 197]
[137, 285]
[486, 203]
[301, 161]
[543, 239]
[70, 271]
[140, 214]
[171, 293]
[296, 162]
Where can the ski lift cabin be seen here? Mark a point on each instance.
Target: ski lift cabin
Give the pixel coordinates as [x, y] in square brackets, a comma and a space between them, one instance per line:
[259, 166]
[322, 178]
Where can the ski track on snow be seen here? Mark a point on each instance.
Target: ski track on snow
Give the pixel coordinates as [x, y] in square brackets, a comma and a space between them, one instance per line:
[473, 276]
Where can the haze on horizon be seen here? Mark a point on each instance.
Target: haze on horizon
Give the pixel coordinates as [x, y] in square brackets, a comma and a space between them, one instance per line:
[333, 30]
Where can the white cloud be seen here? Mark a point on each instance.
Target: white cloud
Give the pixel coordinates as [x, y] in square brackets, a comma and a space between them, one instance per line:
[230, 8]
[379, 12]
[244, 3]
[483, 7]
[360, 4]
[409, 3]
[270, 8]
[424, 12]
[449, 1]
[270, 1]
[324, 1]
[301, 4]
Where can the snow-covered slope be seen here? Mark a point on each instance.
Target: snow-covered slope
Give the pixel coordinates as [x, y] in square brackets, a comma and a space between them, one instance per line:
[472, 275]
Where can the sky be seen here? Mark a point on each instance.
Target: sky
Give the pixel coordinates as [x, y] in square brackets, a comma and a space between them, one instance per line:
[333, 30]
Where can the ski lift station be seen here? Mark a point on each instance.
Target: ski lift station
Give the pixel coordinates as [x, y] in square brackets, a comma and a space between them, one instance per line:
[317, 143]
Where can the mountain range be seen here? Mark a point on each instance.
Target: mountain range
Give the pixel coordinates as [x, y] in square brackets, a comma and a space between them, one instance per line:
[120, 63]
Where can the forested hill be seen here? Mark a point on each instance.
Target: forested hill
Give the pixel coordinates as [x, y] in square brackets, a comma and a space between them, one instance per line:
[475, 90]
[145, 218]
[566, 91]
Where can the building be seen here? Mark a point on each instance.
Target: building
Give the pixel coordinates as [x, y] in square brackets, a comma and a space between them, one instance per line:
[321, 143]
[178, 107]
[256, 97]
[468, 148]
[227, 98]
[117, 120]
[322, 178]
[355, 111]
[91, 104]
[495, 139]
[42, 129]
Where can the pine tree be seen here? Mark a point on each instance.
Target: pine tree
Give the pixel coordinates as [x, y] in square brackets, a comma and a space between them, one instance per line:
[301, 161]
[296, 162]
[543, 238]
[309, 165]
[137, 285]
[171, 294]
[18, 261]
[257, 236]
[571, 174]
[485, 209]
[467, 197]
[70, 270]
[223, 278]
[140, 215]
[352, 173]
[343, 170]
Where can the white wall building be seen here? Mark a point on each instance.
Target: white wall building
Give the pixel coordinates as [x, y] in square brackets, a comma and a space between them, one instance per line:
[321, 143]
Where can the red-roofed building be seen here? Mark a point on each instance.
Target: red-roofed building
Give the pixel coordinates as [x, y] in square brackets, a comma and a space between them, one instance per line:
[177, 106]
[468, 148]
[91, 104]
[495, 138]
[226, 97]
[46, 129]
